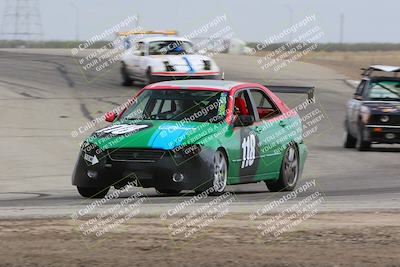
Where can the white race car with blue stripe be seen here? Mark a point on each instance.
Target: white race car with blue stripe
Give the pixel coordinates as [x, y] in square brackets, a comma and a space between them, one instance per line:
[161, 58]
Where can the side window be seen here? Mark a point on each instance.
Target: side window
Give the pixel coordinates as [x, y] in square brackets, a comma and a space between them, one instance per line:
[167, 107]
[140, 48]
[157, 105]
[242, 104]
[154, 48]
[162, 107]
[360, 88]
[266, 109]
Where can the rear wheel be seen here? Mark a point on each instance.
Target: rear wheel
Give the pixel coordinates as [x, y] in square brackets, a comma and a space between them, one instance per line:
[92, 192]
[289, 173]
[126, 79]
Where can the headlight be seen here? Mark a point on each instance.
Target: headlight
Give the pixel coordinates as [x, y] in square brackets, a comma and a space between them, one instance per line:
[365, 114]
[389, 109]
[168, 66]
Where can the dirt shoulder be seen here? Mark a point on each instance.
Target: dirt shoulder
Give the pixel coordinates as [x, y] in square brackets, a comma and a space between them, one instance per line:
[339, 239]
[350, 63]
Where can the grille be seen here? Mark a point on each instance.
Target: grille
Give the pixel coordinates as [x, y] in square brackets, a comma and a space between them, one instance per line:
[140, 155]
[394, 120]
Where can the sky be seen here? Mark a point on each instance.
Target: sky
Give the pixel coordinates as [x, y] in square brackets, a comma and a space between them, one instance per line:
[364, 21]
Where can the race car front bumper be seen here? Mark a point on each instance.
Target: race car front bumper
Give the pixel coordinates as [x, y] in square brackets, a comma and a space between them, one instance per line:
[384, 134]
[165, 172]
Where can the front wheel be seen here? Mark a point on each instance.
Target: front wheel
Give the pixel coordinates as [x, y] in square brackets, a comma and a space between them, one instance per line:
[217, 185]
[92, 192]
[289, 173]
[349, 140]
[149, 79]
[126, 78]
[362, 144]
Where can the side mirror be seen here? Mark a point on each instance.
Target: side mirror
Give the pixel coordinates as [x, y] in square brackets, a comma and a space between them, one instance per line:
[243, 120]
[110, 116]
[357, 97]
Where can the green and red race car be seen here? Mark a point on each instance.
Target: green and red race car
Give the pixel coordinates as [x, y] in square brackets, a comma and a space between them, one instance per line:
[199, 135]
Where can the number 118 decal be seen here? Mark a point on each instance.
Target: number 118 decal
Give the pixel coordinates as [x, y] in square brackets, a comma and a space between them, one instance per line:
[249, 150]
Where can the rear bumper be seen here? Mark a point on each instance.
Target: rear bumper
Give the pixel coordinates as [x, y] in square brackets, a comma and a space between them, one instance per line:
[382, 134]
[196, 171]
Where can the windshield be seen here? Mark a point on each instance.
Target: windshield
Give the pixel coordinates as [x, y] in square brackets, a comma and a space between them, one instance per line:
[384, 90]
[178, 105]
[173, 47]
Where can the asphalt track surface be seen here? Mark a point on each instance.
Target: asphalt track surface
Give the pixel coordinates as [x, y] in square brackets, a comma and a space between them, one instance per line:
[44, 96]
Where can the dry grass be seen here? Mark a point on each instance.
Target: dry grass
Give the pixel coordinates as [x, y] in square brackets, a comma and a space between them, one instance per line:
[349, 63]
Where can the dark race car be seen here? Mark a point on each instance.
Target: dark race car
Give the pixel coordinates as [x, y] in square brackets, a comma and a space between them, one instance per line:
[373, 115]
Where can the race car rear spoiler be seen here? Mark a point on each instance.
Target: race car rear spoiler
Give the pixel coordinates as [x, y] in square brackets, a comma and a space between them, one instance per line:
[129, 33]
[285, 89]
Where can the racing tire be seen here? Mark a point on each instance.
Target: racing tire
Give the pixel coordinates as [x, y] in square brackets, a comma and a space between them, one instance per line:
[361, 144]
[149, 78]
[92, 192]
[126, 78]
[349, 140]
[170, 192]
[289, 173]
[217, 184]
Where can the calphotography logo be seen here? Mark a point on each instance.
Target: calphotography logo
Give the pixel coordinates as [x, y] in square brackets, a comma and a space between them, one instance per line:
[98, 55]
[280, 216]
[218, 33]
[189, 218]
[304, 37]
[96, 122]
[103, 216]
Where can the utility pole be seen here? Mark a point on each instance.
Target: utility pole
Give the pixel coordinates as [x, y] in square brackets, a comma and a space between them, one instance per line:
[22, 20]
[341, 28]
[75, 7]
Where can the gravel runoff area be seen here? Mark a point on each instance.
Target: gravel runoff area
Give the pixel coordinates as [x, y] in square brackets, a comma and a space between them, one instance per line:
[327, 239]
